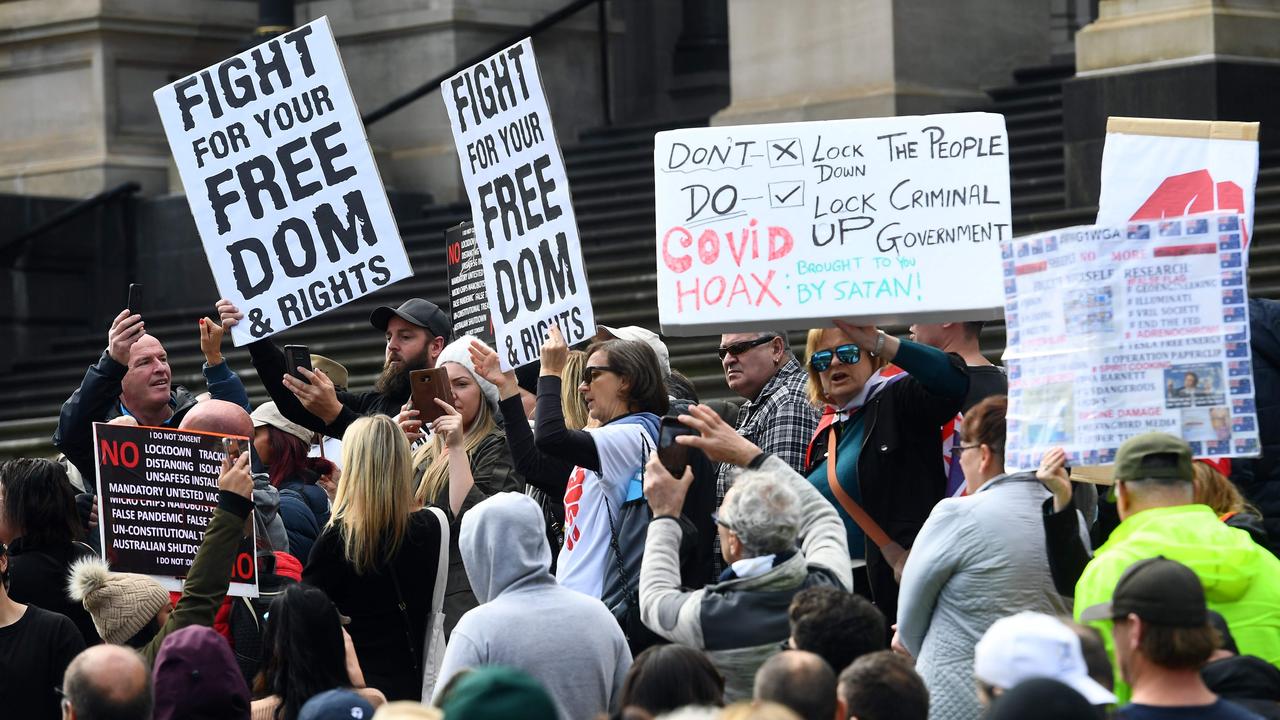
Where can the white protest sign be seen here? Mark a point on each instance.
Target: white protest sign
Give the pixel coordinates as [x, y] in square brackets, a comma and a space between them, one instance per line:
[788, 226]
[1115, 331]
[281, 181]
[520, 204]
[1156, 168]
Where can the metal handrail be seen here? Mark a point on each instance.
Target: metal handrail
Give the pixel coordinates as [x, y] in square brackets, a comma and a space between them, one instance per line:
[7, 250]
[531, 31]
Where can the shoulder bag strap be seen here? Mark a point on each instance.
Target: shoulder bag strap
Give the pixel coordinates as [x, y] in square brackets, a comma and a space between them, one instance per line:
[442, 565]
[855, 511]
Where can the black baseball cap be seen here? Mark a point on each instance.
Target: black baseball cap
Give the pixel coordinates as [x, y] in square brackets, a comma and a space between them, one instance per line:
[1158, 590]
[423, 313]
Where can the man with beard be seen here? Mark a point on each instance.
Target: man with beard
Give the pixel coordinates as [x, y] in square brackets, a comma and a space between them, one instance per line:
[416, 332]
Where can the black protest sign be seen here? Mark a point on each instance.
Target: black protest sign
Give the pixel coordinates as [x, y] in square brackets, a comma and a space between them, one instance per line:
[520, 205]
[281, 181]
[157, 490]
[468, 301]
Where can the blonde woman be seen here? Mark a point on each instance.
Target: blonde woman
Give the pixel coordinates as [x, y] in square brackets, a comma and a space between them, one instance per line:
[463, 462]
[376, 558]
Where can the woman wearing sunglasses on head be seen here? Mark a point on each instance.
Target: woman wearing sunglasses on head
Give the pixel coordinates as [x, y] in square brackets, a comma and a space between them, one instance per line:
[885, 424]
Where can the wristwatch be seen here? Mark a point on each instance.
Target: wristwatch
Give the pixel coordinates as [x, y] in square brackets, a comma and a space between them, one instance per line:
[879, 348]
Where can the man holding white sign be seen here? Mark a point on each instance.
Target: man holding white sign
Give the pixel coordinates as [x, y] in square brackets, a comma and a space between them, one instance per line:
[281, 181]
[520, 205]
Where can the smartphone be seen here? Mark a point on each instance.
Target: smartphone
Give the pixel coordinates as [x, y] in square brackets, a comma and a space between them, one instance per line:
[295, 356]
[673, 455]
[232, 448]
[426, 386]
[134, 304]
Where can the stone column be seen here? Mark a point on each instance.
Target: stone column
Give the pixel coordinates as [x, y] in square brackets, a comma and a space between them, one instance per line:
[827, 59]
[1191, 59]
[76, 78]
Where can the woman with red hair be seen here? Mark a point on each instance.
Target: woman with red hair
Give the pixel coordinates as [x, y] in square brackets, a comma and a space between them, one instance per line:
[282, 447]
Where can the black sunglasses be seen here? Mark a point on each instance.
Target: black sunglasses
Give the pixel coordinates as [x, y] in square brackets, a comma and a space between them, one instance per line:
[591, 372]
[820, 360]
[741, 347]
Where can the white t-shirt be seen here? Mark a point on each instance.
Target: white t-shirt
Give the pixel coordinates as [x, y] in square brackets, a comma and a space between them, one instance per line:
[587, 553]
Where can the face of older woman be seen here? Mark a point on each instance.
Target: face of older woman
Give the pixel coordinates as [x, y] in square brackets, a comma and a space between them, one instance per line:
[606, 392]
[841, 382]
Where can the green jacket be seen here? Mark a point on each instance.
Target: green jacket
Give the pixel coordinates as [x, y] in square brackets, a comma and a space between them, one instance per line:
[1241, 578]
[210, 575]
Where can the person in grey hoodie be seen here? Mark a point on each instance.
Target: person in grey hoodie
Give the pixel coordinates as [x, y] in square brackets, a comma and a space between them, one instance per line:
[566, 640]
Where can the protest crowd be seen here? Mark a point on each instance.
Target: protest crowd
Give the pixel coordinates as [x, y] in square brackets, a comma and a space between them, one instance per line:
[561, 530]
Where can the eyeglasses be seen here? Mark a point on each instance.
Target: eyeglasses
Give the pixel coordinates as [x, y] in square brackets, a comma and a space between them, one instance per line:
[968, 447]
[715, 516]
[740, 347]
[820, 360]
[593, 371]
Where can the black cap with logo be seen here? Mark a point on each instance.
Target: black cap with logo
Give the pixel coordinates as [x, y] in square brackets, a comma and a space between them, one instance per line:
[423, 313]
[1158, 590]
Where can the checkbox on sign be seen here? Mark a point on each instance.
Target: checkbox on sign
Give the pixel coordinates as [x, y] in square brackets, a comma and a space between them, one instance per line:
[786, 194]
[785, 152]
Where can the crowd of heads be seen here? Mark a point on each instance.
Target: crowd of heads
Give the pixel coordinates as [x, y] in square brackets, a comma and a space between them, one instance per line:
[828, 641]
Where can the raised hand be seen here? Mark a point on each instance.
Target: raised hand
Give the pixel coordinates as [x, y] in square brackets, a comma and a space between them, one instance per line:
[663, 491]
[125, 330]
[449, 426]
[489, 367]
[228, 313]
[1053, 474]
[716, 438]
[235, 477]
[317, 395]
[409, 423]
[211, 334]
[555, 353]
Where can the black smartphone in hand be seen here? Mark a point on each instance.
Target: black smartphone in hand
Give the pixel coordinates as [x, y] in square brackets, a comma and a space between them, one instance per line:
[673, 455]
[296, 356]
[134, 305]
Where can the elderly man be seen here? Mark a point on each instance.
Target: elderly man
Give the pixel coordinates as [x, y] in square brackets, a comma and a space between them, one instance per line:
[777, 416]
[108, 681]
[133, 378]
[741, 620]
[416, 333]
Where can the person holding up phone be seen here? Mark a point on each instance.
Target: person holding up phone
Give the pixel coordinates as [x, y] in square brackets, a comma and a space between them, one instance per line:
[464, 461]
[132, 378]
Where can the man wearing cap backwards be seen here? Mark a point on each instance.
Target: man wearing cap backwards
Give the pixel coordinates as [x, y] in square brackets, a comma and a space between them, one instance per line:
[1162, 637]
[415, 332]
[1154, 498]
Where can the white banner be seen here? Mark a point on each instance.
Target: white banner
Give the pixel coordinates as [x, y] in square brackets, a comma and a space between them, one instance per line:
[884, 220]
[1117, 331]
[281, 181]
[1154, 168]
[520, 204]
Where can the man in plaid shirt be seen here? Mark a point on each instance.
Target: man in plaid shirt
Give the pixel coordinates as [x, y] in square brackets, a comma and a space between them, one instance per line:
[777, 415]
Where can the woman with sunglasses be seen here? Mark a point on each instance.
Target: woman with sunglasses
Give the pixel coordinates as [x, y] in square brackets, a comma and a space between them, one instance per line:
[626, 394]
[886, 424]
[977, 559]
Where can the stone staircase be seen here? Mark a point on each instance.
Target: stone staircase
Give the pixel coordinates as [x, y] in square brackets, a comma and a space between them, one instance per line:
[611, 173]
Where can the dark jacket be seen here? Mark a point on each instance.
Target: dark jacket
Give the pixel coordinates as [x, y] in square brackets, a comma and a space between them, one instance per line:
[268, 359]
[388, 638]
[98, 400]
[900, 471]
[492, 472]
[210, 575]
[1259, 478]
[1246, 680]
[304, 509]
[38, 575]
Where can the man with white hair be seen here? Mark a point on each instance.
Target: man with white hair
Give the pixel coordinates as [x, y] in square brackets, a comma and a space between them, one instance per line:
[741, 620]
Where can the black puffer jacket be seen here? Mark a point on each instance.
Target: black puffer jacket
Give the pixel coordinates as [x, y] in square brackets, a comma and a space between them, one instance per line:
[1259, 478]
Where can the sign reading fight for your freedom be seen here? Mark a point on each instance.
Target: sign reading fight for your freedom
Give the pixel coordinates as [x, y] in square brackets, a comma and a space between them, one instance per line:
[522, 213]
[281, 181]
[787, 226]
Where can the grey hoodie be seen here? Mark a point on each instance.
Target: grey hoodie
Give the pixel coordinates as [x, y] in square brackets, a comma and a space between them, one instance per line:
[568, 641]
[266, 501]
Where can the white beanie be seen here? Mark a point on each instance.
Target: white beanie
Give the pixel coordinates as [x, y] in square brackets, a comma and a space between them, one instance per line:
[459, 351]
